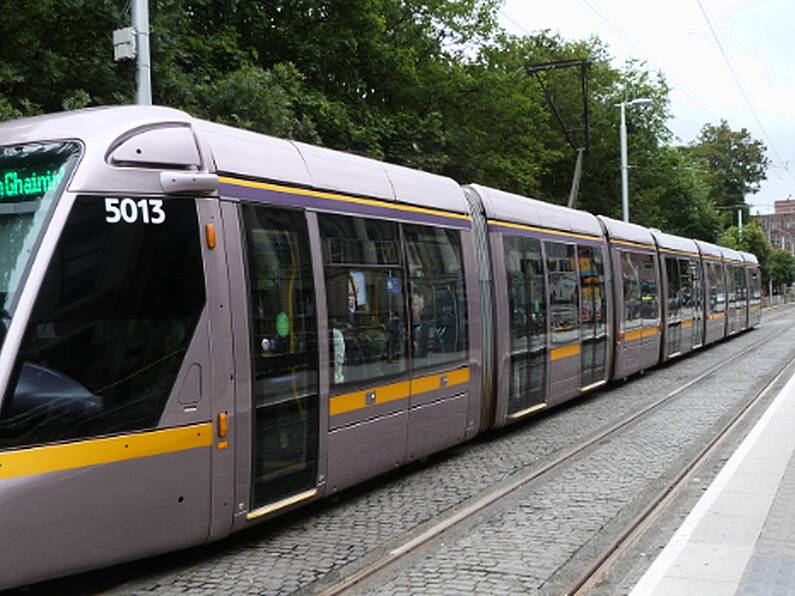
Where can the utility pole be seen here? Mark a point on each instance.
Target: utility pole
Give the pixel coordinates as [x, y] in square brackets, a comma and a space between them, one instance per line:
[642, 101]
[143, 73]
[133, 42]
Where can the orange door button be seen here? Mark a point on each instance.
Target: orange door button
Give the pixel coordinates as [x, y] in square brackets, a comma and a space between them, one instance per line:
[223, 424]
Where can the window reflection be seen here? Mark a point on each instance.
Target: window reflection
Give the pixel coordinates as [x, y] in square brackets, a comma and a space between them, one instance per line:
[438, 296]
[365, 299]
[563, 293]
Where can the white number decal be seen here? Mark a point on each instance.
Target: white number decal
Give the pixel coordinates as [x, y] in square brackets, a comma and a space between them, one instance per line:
[158, 215]
[127, 210]
[113, 215]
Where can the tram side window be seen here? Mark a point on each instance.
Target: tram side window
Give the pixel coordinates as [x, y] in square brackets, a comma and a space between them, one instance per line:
[717, 292]
[740, 290]
[115, 315]
[687, 285]
[674, 288]
[437, 296]
[630, 278]
[594, 307]
[694, 275]
[563, 293]
[756, 285]
[365, 298]
[648, 289]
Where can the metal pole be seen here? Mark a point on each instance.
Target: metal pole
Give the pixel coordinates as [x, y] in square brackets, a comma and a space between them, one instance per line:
[740, 222]
[143, 73]
[624, 167]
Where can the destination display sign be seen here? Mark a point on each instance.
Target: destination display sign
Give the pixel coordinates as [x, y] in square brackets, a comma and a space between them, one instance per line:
[21, 184]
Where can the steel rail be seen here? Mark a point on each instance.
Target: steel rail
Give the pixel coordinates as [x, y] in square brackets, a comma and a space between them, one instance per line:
[522, 479]
[591, 576]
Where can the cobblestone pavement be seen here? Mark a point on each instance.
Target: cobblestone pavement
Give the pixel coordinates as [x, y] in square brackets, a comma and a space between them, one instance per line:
[540, 540]
[516, 551]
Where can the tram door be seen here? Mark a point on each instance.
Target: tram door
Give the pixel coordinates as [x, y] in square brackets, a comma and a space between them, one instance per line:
[284, 356]
[593, 315]
[527, 310]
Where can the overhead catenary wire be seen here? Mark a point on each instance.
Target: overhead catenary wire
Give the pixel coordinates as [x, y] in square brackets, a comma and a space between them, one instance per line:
[741, 87]
[680, 86]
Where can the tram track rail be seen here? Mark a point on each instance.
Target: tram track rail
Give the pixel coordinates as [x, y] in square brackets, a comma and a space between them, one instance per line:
[590, 577]
[382, 563]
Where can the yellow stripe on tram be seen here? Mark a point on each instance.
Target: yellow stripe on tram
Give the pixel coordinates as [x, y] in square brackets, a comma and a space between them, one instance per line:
[358, 400]
[341, 198]
[565, 352]
[92, 452]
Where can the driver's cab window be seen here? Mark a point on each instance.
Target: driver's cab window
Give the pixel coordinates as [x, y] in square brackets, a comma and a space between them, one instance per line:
[112, 323]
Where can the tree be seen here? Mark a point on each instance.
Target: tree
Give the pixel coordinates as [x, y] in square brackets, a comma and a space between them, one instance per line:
[752, 240]
[781, 266]
[733, 162]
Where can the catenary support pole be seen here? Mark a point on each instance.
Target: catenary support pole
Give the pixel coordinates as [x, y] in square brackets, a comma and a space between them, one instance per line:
[143, 73]
[624, 165]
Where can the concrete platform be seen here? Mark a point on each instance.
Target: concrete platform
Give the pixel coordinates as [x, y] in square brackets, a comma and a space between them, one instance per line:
[740, 536]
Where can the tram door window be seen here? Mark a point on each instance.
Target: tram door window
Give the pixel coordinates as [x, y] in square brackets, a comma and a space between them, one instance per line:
[716, 299]
[731, 293]
[741, 295]
[692, 273]
[527, 312]
[438, 312]
[365, 298]
[630, 281]
[676, 291]
[563, 294]
[593, 314]
[284, 353]
[117, 309]
[564, 319]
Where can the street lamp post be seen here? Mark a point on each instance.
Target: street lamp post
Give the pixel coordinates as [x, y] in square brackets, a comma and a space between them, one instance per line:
[642, 101]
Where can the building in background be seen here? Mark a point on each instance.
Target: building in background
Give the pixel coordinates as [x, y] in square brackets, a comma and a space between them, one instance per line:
[779, 226]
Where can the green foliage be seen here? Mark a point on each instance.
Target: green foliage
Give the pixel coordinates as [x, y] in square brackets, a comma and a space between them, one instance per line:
[733, 163]
[434, 85]
[752, 240]
[781, 268]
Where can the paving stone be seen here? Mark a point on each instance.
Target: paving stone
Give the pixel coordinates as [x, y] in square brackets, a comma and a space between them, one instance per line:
[531, 540]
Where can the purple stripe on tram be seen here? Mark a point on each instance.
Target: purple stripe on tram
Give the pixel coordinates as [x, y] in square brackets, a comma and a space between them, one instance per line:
[265, 195]
[551, 236]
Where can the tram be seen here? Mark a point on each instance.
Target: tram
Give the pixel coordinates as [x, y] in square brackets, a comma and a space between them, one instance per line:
[202, 327]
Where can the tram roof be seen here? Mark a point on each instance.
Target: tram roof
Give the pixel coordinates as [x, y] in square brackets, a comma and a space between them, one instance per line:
[731, 255]
[672, 242]
[626, 231]
[707, 248]
[749, 258]
[232, 151]
[505, 206]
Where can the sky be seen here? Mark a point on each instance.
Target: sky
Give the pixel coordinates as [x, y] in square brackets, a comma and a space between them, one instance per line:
[674, 37]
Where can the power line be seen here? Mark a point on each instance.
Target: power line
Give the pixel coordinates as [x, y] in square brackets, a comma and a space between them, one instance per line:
[741, 87]
[632, 44]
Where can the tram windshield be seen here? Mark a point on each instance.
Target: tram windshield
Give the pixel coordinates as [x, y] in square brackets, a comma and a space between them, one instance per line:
[31, 178]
